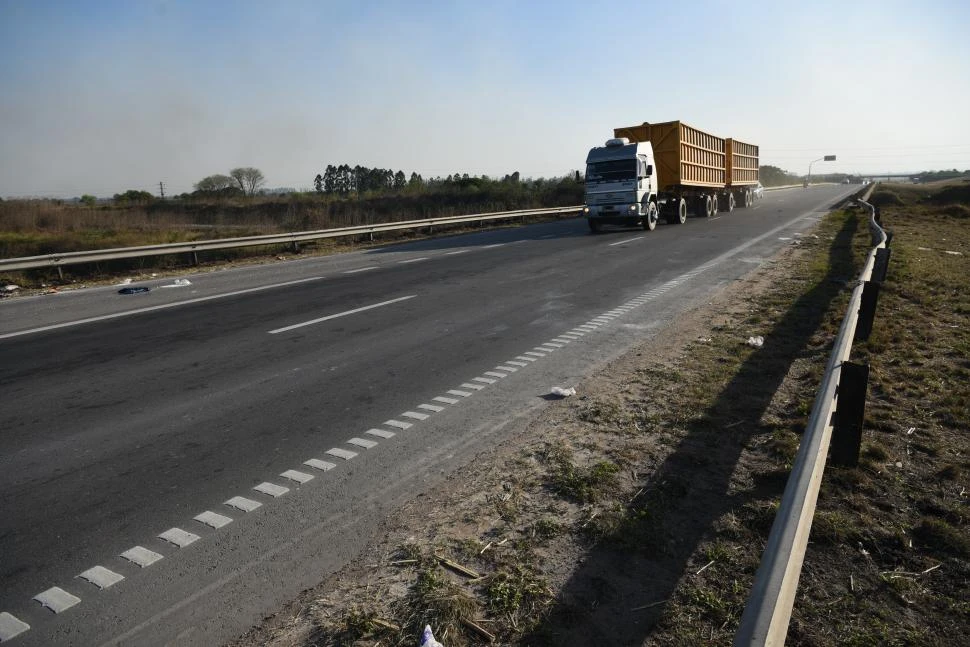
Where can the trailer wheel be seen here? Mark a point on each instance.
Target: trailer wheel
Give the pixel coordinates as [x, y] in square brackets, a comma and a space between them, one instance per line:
[677, 214]
[730, 202]
[593, 225]
[748, 199]
[650, 218]
[713, 210]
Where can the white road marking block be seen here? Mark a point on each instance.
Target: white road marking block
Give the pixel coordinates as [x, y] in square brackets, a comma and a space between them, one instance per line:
[442, 398]
[213, 519]
[242, 503]
[483, 380]
[101, 577]
[362, 442]
[271, 489]
[57, 599]
[532, 353]
[528, 359]
[318, 464]
[299, 477]
[141, 556]
[341, 453]
[474, 387]
[561, 340]
[495, 374]
[463, 394]
[413, 260]
[577, 332]
[519, 364]
[11, 627]
[380, 433]
[431, 407]
[179, 537]
[398, 424]
[414, 415]
[571, 336]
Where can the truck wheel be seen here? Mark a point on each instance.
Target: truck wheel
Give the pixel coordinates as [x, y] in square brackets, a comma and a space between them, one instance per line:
[730, 202]
[650, 218]
[678, 213]
[748, 198]
[593, 225]
[713, 205]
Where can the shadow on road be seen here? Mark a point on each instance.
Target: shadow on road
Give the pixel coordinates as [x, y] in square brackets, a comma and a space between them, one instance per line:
[619, 592]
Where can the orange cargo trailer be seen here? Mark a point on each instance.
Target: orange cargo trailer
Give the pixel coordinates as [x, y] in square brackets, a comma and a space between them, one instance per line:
[742, 163]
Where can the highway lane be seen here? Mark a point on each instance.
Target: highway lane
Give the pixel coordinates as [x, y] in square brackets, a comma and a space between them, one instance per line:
[117, 429]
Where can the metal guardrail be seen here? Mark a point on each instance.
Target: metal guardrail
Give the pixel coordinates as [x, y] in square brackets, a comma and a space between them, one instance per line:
[74, 258]
[768, 610]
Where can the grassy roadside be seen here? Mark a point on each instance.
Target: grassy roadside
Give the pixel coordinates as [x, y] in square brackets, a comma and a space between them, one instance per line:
[637, 511]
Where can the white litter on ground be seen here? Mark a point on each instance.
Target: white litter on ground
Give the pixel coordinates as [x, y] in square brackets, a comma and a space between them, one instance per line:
[177, 283]
[563, 392]
[756, 342]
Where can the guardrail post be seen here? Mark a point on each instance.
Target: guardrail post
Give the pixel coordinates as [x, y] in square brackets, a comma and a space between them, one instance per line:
[60, 272]
[850, 414]
[867, 311]
[881, 265]
[195, 258]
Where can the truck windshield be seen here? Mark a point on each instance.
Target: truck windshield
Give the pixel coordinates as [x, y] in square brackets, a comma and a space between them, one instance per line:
[612, 171]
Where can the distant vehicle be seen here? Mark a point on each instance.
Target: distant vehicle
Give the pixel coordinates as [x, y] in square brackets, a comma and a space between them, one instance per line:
[666, 169]
[758, 191]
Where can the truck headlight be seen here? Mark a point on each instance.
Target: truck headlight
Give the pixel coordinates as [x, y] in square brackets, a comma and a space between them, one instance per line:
[585, 209]
[633, 208]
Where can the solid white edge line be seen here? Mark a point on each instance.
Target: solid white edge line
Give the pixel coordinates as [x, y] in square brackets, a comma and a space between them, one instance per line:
[340, 314]
[362, 269]
[163, 306]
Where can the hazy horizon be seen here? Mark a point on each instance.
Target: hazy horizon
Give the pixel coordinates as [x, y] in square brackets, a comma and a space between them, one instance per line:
[102, 97]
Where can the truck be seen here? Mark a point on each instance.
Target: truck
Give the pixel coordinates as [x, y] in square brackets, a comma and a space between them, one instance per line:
[666, 170]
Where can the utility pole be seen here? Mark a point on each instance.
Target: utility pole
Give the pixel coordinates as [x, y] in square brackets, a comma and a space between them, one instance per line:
[161, 190]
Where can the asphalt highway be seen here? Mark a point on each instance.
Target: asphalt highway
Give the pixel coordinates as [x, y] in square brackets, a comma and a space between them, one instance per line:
[123, 417]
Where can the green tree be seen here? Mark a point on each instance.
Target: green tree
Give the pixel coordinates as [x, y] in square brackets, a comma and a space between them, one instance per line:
[248, 179]
[88, 200]
[318, 183]
[214, 183]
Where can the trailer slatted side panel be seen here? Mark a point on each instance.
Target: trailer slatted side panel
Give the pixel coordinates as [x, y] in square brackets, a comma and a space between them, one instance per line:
[685, 156]
[742, 160]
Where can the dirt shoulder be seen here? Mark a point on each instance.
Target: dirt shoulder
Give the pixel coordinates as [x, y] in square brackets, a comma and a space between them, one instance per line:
[636, 511]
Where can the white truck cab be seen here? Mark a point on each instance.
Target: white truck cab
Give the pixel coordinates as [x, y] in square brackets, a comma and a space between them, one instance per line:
[621, 185]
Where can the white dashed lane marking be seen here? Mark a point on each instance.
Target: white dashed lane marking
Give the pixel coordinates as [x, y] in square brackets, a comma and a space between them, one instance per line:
[431, 407]
[141, 556]
[397, 424]
[463, 394]
[473, 387]
[414, 415]
[299, 477]
[271, 489]
[242, 503]
[341, 453]
[527, 359]
[507, 369]
[101, 577]
[11, 626]
[380, 433]
[179, 537]
[442, 398]
[318, 464]
[495, 374]
[362, 269]
[341, 314]
[483, 380]
[362, 442]
[213, 519]
[57, 599]
[413, 260]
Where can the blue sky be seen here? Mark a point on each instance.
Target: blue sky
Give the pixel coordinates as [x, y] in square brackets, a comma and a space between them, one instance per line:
[100, 97]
